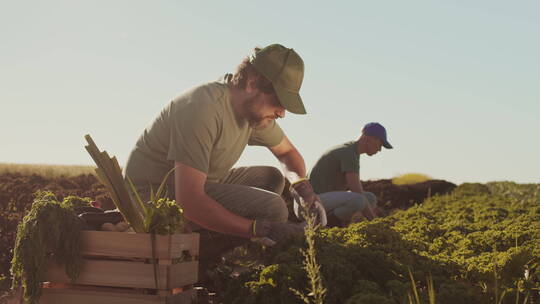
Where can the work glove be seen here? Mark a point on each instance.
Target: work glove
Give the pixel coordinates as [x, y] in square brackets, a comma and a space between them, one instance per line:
[270, 233]
[305, 200]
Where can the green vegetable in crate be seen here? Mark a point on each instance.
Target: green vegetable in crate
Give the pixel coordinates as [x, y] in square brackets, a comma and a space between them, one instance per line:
[110, 175]
[81, 204]
[159, 215]
[49, 227]
[78, 202]
[94, 220]
[163, 217]
[81, 210]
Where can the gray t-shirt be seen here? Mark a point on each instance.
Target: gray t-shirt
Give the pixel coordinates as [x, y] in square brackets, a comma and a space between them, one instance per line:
[199, 129]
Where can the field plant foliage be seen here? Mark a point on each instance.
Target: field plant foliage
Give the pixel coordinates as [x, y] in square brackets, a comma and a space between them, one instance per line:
[50, 227]
[410, 178]
[479, 244]
[316, 290]
[17, 192]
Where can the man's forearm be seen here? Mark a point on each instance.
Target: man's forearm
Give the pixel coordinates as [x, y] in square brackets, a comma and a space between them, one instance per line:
[356, 187]
[360, 187]
[294, 166]
[353, 182]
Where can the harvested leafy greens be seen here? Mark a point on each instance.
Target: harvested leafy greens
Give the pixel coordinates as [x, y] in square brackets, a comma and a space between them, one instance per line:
[163, 216]
[50, 230]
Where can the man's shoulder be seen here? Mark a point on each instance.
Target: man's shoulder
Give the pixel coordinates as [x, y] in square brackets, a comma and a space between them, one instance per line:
[331, 155]
[217, 89]
[341, 148]
[207, 97]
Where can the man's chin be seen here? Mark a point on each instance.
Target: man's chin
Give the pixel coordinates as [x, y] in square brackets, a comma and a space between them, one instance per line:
[258, 125]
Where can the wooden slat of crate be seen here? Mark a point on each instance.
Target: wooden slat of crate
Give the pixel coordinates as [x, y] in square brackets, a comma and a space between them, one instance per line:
[137, 245]
[127, 274]
[68, 296]
[182, 242]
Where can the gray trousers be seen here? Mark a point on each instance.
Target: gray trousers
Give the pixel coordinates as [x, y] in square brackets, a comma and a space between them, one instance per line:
[251, 192]
[344, 204]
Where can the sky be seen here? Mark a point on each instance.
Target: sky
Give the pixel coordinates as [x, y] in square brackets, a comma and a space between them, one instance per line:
[455, 83]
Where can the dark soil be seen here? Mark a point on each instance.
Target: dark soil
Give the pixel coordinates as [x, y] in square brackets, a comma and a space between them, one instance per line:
[391, 196]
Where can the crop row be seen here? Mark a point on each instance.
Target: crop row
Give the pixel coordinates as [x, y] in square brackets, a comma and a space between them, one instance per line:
[478, 244]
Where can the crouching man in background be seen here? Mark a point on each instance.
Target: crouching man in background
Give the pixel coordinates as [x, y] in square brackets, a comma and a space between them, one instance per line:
[336, 178]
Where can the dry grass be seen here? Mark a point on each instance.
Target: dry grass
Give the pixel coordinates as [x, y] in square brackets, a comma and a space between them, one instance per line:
[410, 178]
[49, 171]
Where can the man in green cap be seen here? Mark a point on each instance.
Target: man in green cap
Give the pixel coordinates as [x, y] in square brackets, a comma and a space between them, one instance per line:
[202, 134]
[335, 177]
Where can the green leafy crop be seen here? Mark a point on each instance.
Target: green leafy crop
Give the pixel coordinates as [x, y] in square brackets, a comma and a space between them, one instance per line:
[164, 216]
[479, 244]
[49, 231]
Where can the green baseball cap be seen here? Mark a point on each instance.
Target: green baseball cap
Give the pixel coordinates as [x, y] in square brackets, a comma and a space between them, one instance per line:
[285, 69]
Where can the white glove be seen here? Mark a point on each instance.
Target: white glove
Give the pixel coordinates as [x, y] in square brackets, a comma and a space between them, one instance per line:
[315, 208]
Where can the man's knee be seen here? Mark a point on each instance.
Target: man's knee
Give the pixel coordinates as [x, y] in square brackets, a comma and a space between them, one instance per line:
[359, 203]
[371, 198]
[276, 209]
[274, 180]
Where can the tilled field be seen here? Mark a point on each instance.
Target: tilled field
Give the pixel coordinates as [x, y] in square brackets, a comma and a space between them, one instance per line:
[17, 193]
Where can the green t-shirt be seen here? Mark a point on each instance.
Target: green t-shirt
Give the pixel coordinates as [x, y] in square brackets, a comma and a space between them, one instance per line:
[199, 129]
[328, 174]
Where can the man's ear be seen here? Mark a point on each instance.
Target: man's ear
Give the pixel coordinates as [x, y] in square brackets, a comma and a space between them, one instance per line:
[251, 85]
[373, 139]
[367, 137]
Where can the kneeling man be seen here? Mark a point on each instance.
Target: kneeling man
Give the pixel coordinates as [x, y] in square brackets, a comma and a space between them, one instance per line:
[202, 134]
[336, 179]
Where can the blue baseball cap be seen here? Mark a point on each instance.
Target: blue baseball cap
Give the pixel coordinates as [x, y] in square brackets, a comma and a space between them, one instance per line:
[375, 129]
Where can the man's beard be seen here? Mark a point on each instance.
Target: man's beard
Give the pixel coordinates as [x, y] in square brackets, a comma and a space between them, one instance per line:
[255, 119]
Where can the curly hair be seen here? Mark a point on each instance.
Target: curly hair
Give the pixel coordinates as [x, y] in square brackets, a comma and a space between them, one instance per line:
[246, 70]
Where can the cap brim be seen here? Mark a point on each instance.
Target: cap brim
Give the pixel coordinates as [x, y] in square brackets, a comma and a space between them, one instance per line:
[387, 145]
[291, 101]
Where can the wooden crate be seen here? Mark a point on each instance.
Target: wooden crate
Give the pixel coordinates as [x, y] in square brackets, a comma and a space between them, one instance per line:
[93, 295]
[117, 268]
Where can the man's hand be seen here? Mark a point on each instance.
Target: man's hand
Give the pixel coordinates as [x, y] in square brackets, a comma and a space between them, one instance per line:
[305, 191]
[276, 231]
[295, 167]
[306, 200]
